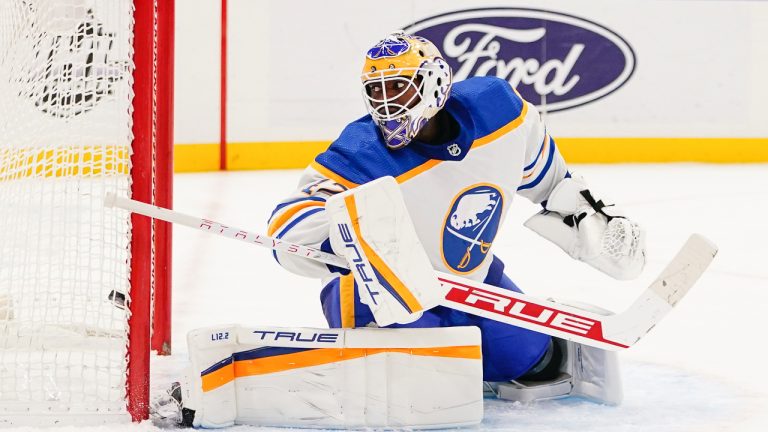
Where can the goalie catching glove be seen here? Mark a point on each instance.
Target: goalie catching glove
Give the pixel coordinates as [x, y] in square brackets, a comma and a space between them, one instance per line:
[590, 230]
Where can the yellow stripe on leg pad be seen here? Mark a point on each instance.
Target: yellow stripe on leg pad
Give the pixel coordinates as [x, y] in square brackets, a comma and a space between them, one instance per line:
[378, 263]
[321, 356]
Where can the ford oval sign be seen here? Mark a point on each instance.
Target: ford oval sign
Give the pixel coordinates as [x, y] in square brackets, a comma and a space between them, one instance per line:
[554, 60]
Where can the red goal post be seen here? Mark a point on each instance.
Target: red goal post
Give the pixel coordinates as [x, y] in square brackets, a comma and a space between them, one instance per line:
[152, 175]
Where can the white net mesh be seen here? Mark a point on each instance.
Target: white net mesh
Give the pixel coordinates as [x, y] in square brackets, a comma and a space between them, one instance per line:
[65, 135]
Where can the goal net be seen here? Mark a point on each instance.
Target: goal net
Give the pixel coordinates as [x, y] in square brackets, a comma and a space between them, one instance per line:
[67, 108]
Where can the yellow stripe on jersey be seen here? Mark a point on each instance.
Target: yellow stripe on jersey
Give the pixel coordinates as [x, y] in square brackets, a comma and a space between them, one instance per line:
[507, 128]
[378, 263]
[542, 156]
[416, 171]
[332, 175]
[289, 212]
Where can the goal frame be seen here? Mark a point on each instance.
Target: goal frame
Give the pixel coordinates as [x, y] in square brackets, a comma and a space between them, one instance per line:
[152, 182]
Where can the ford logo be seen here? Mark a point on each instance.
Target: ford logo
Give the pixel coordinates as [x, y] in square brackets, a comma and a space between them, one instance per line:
[554, 60]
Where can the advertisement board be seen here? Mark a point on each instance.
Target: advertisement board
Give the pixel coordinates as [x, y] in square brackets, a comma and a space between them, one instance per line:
[631, 81]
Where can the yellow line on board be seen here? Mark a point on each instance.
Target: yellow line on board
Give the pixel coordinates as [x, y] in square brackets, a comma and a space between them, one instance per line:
[273, 155]
[292, 155]
[655, 150]
[96, 160]
[63, 161]
[195, 157]
[247, 155]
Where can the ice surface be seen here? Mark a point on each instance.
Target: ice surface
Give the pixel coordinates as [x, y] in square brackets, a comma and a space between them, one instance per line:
[699, 370]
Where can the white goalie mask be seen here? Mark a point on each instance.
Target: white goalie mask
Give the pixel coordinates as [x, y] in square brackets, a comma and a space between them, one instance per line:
[405, 83]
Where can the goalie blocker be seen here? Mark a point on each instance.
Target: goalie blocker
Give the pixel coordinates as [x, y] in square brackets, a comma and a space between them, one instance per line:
[334, 378]
[371, 228]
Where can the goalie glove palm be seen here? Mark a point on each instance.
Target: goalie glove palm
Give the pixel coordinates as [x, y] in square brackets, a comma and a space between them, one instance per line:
[589, 230]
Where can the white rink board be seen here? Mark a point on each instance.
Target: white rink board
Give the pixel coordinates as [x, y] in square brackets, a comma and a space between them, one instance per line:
[294, 66]
[196, 73]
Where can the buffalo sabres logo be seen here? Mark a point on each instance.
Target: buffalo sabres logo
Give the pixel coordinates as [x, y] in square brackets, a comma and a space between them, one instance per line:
[470, 227]
[390, 47]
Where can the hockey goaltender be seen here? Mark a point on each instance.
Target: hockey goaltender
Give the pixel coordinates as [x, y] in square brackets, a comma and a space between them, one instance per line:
[420, 184]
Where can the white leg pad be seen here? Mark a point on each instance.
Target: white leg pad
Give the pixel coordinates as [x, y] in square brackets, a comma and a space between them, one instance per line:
[6, 308]
[587, 372]
[335, 378]
[595, 374]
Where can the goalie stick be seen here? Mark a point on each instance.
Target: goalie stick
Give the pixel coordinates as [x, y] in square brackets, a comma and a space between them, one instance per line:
[610, 332]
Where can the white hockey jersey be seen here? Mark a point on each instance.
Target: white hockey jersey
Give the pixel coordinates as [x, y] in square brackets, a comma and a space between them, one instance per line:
[457, 193]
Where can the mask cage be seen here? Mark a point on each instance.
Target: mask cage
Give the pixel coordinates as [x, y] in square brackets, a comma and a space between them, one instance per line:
[388, 105]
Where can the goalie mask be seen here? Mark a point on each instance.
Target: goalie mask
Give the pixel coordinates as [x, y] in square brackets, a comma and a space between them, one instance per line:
[405, 83]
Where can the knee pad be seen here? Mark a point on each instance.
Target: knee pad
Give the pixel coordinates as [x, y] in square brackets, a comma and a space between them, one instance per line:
[509, 351]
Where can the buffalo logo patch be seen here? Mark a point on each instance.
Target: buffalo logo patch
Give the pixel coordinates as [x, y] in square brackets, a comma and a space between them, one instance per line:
[470, 227]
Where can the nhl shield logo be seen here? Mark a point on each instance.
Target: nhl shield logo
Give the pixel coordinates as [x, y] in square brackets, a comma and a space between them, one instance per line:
[470, 227]
[454, 150]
